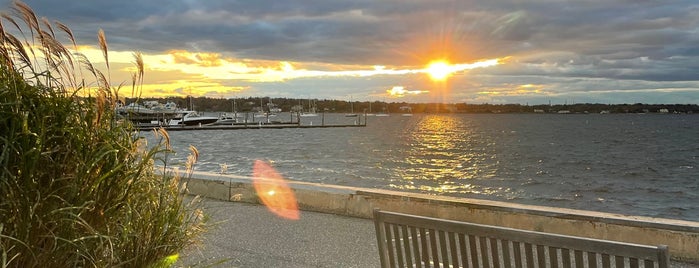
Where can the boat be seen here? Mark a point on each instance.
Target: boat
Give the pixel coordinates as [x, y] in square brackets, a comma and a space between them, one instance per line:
[369, 113]
[227, 119]
[150, 112]
[407, 111]
[273, 108]
[193, 118]
[311, 110]
[351, 114]
[384, 111]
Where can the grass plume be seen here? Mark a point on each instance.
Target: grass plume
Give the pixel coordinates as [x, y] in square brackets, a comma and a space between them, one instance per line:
[78, 188]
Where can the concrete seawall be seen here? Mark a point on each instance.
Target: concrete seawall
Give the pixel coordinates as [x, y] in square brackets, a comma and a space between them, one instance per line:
[682, 237]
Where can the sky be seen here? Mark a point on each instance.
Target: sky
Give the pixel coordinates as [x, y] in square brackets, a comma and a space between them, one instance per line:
[452, 51]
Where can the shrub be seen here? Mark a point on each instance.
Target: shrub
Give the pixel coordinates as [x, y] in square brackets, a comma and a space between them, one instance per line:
[77, 187]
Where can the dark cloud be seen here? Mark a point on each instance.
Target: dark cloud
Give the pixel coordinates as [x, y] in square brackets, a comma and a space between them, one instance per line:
[608, 39]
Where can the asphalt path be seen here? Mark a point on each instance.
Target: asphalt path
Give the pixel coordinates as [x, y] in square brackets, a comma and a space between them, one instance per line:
[248, 235]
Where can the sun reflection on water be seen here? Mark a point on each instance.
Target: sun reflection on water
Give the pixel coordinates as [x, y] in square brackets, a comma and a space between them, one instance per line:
[445, 155]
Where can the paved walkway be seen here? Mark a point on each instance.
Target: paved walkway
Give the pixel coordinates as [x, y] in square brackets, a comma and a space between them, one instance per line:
[247, 235]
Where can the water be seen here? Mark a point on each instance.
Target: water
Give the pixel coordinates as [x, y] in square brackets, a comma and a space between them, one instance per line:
[634, 164]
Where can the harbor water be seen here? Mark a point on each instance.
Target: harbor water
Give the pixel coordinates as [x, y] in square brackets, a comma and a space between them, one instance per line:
[632, 164]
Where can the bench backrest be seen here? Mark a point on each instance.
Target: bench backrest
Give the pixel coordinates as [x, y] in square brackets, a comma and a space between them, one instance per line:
[415, 241]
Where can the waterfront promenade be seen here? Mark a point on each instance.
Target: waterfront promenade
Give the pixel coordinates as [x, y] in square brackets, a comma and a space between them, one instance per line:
[248, 235]
[340, 234]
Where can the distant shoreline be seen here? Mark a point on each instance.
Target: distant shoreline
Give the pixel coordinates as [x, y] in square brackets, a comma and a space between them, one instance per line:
[251, 104]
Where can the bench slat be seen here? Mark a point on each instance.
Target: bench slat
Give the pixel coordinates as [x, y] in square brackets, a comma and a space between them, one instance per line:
[553, 257]
[397, 245]
[454, 249]
[417, 253]
[482, 244]
[606, 261]
[389, 244]
[495, 252]
[506, 261]
[529, 254]
[578, 258]
[633, 263]
[619, 260]
[424, 250]
[432, 233]
[406, 246]
[592, 259]
[540, 256]
[518, 253]
[474, 250]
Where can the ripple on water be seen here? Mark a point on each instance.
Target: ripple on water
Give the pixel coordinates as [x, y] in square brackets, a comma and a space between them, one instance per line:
[614, 163]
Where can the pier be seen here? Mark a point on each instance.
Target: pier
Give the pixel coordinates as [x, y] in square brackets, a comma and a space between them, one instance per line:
[264, 123]
[243, 126]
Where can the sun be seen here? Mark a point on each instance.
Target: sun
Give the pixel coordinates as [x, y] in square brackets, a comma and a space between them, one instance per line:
[439, 70]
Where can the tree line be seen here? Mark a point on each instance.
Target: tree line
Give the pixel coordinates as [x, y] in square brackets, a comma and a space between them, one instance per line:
[253, 104]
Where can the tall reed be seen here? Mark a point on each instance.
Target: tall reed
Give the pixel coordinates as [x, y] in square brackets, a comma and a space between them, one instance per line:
[77, 188]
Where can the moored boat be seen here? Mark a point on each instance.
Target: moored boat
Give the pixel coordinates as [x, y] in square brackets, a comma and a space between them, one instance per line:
[193, 118]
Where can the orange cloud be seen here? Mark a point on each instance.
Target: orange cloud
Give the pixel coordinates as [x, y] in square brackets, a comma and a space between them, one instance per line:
[399, 91]
[515, 90]
[198, 58]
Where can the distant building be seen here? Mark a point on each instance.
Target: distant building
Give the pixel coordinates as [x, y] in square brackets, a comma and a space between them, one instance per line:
[539, 111]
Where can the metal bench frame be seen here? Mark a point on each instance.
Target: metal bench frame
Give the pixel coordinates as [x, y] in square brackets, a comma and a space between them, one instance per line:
[415, 241]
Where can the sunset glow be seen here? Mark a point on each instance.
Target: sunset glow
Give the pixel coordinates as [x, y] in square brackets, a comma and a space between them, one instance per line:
[182, 73]
[439, 70]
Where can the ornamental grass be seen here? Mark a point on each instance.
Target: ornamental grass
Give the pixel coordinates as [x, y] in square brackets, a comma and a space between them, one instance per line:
[77, 185]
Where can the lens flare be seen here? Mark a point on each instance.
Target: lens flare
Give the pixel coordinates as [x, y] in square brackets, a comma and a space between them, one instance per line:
[273, 191]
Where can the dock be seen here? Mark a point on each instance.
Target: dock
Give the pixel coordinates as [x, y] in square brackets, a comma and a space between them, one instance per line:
[242, 126]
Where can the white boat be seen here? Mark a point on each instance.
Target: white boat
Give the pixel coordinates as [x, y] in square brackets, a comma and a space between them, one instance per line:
[311, 110]
[227, 119]
[193, 118]
[370, 113]
[351, 114]
[260, 115]
[273, 108]
[408, 111]
[150, 112]
[383, 113]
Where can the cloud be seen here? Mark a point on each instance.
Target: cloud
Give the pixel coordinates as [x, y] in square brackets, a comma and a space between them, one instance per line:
[566, 46]
[399, 91]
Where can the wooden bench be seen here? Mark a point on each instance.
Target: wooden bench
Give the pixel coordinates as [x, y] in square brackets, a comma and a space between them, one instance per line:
[415, 241]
